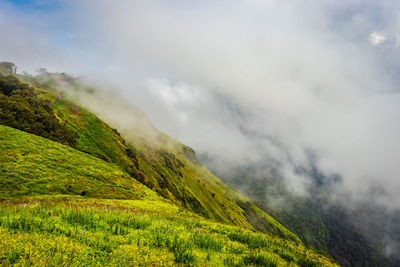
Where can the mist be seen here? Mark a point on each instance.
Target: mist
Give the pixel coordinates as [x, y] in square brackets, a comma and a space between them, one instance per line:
[262, 81]
[249, 82]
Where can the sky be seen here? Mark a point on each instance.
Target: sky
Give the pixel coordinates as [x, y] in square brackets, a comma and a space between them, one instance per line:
[262, 82]
[37, 5]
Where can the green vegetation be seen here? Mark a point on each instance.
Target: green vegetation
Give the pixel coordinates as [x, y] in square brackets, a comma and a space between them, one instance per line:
[74, 191]
[82, 231]
[32, 165]
[22, 109]
[319, 223]
[161, 163]
[8, 67]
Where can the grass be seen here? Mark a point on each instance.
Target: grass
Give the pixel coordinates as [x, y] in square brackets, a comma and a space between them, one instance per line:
[31, 165]
[68, 230]
[88, 204]
[44, 220]
[156, 160]
[163, 167]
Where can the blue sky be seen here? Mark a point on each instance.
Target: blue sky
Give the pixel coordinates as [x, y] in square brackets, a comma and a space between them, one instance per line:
[37, 5]
[50, 15]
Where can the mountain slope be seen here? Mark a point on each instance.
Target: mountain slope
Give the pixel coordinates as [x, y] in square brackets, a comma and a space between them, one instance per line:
[74, 191]
[76, 231]
[324, 225]
[151, 157]
[34, 165]
[45, 220]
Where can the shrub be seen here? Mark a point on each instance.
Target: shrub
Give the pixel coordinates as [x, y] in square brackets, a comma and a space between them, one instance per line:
[20, 108]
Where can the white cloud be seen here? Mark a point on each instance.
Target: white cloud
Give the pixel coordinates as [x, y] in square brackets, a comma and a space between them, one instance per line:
[272, 80]
[244, 80]
[377, 38]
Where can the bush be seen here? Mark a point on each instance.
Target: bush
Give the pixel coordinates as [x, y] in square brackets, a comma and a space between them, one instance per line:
[20, 108]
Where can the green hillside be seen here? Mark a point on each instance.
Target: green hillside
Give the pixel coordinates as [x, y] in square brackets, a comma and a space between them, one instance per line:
[76, 231]
[32, 165]
[73, 189]
[45, 220]
[161, 163]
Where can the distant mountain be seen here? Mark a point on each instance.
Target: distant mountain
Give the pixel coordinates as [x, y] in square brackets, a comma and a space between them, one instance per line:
[353, 237]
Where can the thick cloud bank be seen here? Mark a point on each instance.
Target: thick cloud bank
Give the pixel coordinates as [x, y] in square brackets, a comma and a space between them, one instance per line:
[254, 81]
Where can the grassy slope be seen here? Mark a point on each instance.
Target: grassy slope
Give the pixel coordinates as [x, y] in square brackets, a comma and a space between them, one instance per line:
[163, 164]
[54, 229]
[58, 230]
[163, 171]
[33, 165]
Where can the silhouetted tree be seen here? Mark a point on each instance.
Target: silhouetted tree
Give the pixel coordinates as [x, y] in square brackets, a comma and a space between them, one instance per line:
[8, 66]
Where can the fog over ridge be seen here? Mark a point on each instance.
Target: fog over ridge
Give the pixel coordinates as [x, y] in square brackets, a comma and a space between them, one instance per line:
[246, 81]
